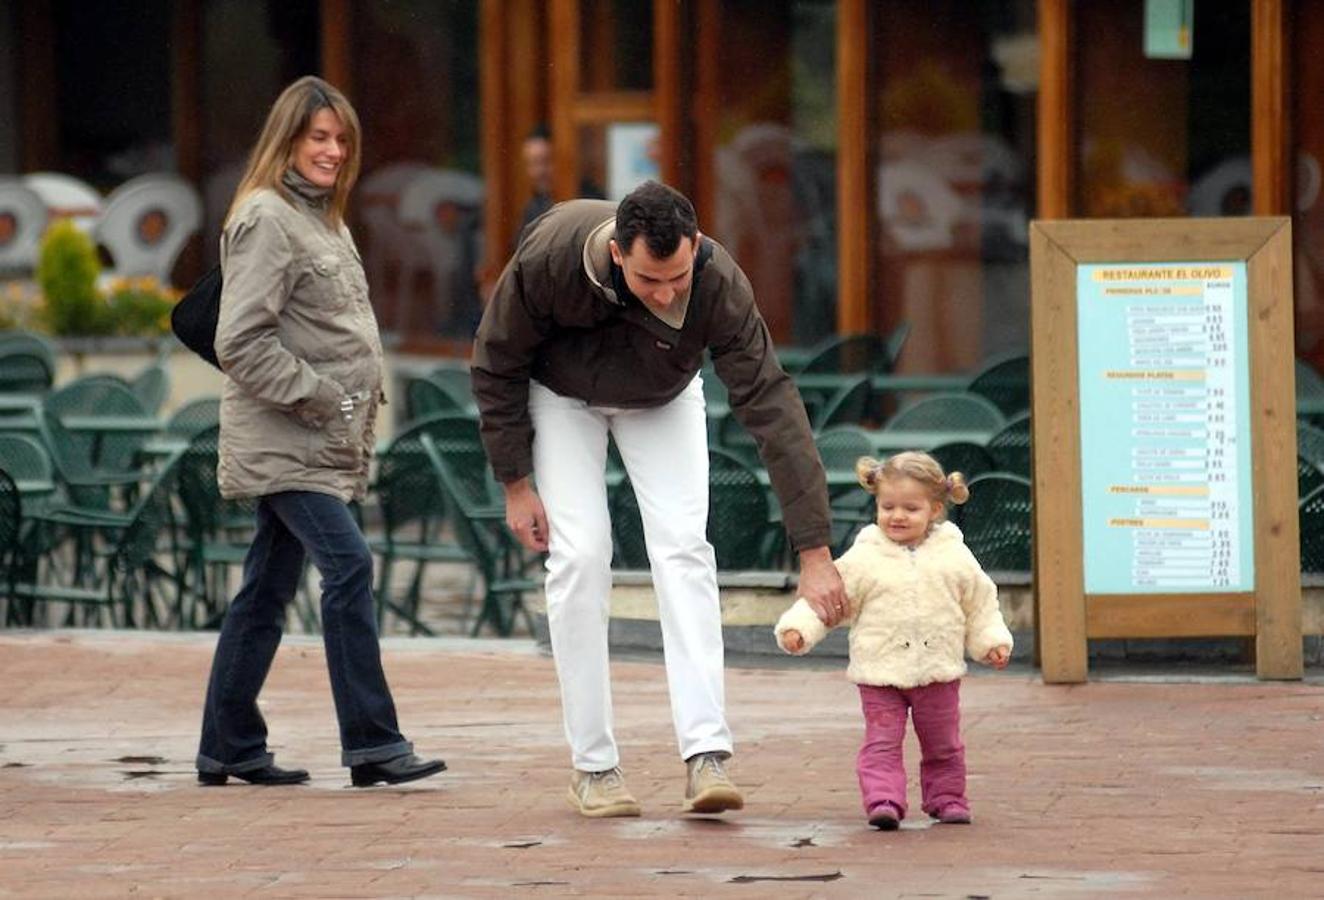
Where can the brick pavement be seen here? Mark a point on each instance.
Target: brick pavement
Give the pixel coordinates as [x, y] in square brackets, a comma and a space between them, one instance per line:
[1135, 788]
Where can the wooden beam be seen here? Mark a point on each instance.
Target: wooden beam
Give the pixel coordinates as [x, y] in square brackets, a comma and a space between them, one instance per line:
[39, 131]
[854, 197]
[563, 47]
[1056, 112]
[1271, 127]
[497, 199]
[705, 109]
[602, 107]
[336, 30]
[666, 88]
[186, 88]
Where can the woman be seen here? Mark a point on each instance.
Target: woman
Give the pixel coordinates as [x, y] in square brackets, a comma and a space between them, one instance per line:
[303, 364]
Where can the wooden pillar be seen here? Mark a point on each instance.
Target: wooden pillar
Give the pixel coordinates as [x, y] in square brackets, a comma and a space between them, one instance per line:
[494, 148]
[1056, 112]
[563, 50]
[39, 126]
[854, 197]
[336, 30]
[1272, 165]
[186, 88]
[666, 88]
[705, 109]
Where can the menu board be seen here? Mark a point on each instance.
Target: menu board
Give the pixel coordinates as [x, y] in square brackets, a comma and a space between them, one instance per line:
[1164, 428]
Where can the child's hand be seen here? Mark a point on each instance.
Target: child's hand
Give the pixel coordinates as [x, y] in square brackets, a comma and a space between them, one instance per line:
[998, 657]
[792, 641]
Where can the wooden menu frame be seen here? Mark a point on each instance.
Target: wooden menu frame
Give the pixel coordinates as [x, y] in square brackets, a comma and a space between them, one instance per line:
[1066, 617]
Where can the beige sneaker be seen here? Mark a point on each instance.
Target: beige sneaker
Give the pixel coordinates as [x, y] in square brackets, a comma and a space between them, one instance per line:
[708, 789]
[601, 794]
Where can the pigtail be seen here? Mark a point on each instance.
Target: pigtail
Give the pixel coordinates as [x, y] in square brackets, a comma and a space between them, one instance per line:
[867, 471]
[957, 491]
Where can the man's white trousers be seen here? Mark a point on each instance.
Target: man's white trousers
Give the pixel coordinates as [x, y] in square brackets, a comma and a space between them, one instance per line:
[665, 452]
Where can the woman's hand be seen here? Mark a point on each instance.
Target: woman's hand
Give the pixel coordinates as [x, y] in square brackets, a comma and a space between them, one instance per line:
[792, 641]
[998, 657]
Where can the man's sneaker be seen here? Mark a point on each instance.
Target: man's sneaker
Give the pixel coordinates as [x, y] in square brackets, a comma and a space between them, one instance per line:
[601, 794]
[708, 789]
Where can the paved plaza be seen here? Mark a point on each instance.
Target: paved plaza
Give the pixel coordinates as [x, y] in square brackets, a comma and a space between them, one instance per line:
[1159, 785]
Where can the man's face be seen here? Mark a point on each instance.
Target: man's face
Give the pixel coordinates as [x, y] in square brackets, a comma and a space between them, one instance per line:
[657, 282]
[538, 164]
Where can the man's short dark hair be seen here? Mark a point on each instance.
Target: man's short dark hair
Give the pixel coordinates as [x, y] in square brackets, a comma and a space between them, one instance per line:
[661, 215]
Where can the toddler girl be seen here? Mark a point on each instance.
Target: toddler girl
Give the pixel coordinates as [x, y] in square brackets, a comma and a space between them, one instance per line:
[918, 602]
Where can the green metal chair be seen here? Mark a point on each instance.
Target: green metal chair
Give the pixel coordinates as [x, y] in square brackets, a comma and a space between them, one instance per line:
[852, 507]
[996, 521]
[863, 353]
[480, 528]
[455, 381]
[11, 528]
[1309, 476]
[1310, 512]
[216, 532]
[426, 397]
[194, 416]
[128, 587]
[151, 386]
[849, 406]
[417, 519]
[100, 395]
[947, 412]
[24, 372]
[1005, 382]
[1010, 447]
[20, 341]
[964, 457]
[742, 527]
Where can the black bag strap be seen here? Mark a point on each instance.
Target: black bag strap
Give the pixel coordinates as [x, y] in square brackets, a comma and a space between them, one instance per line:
[195, 316]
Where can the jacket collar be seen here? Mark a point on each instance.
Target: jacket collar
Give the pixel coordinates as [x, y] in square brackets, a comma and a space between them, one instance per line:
[597, 268]
[313, 195]
[944, 534]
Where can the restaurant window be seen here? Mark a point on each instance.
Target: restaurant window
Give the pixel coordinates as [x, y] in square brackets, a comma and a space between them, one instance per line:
[1307, 78]
[775, 157]
[262, 46]
[419, 203]
[9, 61]
[954, 85]
[1163, 108]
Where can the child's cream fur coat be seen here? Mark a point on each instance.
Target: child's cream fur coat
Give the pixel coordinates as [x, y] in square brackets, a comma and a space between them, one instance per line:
[914, 613]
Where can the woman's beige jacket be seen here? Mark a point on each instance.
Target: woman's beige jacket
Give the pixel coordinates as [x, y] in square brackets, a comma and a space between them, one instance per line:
[914, 614]
[296, 337]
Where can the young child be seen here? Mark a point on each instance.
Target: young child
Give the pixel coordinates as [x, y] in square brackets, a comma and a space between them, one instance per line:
[918, 602]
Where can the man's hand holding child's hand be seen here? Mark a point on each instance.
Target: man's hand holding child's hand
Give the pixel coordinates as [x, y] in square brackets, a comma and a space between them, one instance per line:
[998, 657]
[792, 641]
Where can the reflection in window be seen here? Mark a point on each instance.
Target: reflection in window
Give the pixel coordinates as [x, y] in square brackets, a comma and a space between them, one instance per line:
[954, 85]
[420, 199]
[1162, 136]
[1307, 80]
[775, 162]
[264, 47]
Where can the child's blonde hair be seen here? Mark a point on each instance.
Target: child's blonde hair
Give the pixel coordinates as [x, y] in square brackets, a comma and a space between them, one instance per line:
[941, 488]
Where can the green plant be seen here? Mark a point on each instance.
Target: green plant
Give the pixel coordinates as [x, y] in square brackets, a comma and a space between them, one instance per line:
[140, 306]
[67, 271]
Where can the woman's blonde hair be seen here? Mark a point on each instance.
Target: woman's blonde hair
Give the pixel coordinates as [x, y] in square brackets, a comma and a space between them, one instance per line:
[287, 122]
[913, 464]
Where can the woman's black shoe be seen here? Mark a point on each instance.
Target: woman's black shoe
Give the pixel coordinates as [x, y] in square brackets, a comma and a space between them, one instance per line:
[265, 775]
[394, 771]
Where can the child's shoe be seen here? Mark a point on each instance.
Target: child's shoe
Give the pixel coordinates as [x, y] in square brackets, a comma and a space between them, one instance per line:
[953, 814]
[884, 817]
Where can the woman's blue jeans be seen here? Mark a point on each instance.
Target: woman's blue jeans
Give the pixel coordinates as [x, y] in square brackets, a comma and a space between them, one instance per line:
[291, 525]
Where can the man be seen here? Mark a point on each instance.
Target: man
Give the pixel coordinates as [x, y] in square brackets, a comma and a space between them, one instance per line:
[599, 325]
[537, 155]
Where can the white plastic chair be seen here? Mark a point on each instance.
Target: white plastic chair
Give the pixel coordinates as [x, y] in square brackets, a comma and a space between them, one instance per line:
[67, 197]
[23, 218]
[390, 245]
[443, 208]
[146, 222]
